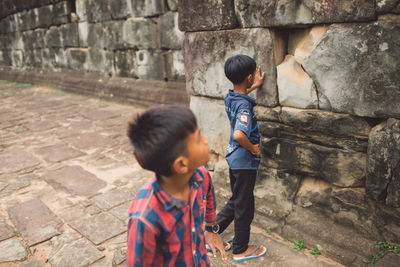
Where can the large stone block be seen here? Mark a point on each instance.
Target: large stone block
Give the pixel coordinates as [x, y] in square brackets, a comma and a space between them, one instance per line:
[96, 36]
[53, 38]
[150, 65]
[44, 17]
[61, 12]
[140, 34]
[78, 58]
[175, 66]
[39, 40]
[172, 5]
[119, 9]
[97, 11]
[206, 15]
[124, 63]
[27, 20]
[386, 6]
[357, 73]
[147, 8]
[383, 163]
[253, 13]
[340, 167]
[212, 121]
[113, 35]
[17, 58]
[295, 87]
[205, 54]
[82, 9]
[170, 35]
[37, 58]
[69, 35]
[100, 61]
[83, 33]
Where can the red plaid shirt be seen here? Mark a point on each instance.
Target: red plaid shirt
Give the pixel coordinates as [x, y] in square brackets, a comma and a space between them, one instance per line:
[164, 231]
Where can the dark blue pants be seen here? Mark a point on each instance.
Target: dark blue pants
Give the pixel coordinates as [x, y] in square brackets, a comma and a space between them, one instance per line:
[239, 208]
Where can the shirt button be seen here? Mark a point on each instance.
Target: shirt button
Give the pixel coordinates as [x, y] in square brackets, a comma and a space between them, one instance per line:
[193, 230]
[194, 252]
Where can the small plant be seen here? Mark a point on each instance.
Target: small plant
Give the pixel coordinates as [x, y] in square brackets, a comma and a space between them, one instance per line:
[285, 239]
[16, 233]
[384, 248]
[24, 12]
[268, 231]
[299, 245]
[315, 251]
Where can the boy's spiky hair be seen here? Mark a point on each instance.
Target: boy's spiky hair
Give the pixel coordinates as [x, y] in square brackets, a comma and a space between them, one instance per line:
[159, 136]
[238, 67]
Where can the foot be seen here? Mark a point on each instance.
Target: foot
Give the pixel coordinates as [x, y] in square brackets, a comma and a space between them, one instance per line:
[248, 251]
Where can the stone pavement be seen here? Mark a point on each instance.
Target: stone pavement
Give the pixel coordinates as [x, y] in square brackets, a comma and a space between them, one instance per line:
[67, 176]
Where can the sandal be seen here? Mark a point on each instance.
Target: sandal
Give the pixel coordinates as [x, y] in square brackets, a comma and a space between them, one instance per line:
[250, 256]
[227, 247]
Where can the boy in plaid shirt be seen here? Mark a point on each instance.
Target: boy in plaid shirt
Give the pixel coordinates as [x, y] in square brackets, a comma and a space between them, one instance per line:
[166, 220]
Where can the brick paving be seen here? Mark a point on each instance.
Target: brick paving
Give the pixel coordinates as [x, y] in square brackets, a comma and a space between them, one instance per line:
[67, 176]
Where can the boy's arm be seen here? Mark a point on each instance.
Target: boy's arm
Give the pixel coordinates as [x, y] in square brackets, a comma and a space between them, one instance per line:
[141, 244]
[240, 137]
[258, 80]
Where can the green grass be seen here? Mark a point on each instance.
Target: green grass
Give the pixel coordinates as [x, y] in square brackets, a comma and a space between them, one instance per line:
[299, 245]
[384, 247]
[315, 251]
[16, 233]
[268, 231]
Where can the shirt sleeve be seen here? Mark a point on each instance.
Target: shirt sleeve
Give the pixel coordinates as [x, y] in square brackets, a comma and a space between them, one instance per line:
[211, 205]
[243, 121]
[141, 245]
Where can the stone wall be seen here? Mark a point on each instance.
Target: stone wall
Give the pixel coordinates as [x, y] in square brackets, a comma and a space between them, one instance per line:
[328, 112]
[136, 39]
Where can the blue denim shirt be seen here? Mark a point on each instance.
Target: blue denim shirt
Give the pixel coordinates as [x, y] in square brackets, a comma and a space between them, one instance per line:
[239, 109]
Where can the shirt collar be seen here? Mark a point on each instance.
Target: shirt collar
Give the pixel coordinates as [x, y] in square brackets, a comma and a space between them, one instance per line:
[238, 95]
[166, 199]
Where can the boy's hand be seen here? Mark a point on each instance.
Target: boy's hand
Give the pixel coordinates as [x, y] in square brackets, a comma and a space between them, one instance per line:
[256, 150]
[258, 78]
[215, 242]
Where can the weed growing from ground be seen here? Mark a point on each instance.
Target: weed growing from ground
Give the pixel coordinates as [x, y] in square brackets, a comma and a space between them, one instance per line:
[385, 247]
[299, 245]
[268, 231]
[315, 251]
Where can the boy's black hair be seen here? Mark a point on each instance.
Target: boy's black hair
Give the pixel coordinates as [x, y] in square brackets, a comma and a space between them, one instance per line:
[238, 67]
[159, 136]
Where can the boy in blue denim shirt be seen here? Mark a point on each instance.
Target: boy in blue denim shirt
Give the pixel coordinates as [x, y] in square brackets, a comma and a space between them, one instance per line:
[243, 154]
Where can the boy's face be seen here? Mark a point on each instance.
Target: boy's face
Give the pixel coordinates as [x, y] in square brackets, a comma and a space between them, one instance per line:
[198, 149]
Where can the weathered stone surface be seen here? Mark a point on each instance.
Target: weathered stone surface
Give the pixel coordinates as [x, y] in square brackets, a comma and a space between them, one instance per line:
[26, 20]
[35, 221]
[77, 58]
[69, 250]
[325, 122]
[113, 35]
[175, 66]
[385, 6]
[383, 163]
[113, 198]
[275, 192]
[69, 35]
[205, 54]
[267, 114]
[38, 38]
[124, 63]
[61, 12]
[89, 141]
[150, 65]
[74, 180]
[6, 231]
[96, 11]
[33, 262]
[44, 16]
[295, 87]
[99, 228]
[337, 166]
[302, 42]
[147, 8]
[252, 13]
[17, 58]
[119, 9]
[119, 256]
[12, 250]
[121, 211]
[214, 123]
[83, 34]
[58, 153]
[347, 51]
[210, 15]
[100, 61]
[96, 35]
[53, 38]
[82, 9]
[170, 35]
[139, 33]
[172, 5]
[16, 161]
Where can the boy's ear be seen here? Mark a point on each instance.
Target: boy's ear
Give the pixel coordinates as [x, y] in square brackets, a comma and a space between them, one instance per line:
[249, 78]
[180, 165]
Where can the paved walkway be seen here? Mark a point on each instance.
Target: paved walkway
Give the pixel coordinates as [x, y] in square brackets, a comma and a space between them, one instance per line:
[67, 176]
